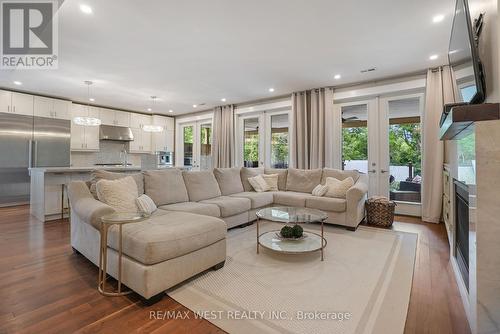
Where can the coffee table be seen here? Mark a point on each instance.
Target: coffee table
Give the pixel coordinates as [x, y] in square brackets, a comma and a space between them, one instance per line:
[311, 242]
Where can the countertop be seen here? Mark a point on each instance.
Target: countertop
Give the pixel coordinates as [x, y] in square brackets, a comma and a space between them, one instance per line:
[73, 169]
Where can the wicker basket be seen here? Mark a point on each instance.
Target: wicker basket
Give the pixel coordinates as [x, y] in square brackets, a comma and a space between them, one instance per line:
[380, 211]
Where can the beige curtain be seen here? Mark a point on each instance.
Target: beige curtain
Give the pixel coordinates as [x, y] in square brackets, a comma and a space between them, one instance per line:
[223, 137]
[308, 132]
[440, 90]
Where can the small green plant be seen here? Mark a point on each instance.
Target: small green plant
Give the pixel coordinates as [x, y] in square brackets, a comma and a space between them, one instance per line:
[295, 231]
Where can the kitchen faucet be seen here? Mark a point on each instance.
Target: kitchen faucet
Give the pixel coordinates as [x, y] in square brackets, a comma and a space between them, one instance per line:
[125, 157]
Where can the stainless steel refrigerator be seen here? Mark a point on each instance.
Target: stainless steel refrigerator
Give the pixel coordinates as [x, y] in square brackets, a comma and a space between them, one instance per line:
[27, 141]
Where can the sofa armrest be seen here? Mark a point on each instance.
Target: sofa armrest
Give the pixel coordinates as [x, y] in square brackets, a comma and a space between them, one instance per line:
[355, 198]
[85, 206]
[357, 192]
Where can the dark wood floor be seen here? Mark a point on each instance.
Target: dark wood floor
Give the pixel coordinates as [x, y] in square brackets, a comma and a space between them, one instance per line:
[45, 288]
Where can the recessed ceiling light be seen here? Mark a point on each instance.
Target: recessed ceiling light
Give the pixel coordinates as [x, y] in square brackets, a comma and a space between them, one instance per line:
[433, 57]
[194, 105]
[149, 109]
[223, 99]
[438, 18]
[86, 9]
[91, 99]
[337, 76]
[18, 83]
[170, 110]
[271, 90]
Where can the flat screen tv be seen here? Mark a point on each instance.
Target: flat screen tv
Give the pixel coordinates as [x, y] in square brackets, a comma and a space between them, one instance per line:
[464, 56]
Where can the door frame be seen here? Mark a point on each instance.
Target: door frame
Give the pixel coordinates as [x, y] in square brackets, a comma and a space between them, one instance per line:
[179, 156]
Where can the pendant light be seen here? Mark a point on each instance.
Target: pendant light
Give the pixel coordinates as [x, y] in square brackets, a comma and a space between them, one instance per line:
[87, 120]
[152, 127]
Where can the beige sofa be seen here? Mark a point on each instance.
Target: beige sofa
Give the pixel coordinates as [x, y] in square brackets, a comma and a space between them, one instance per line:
[187, 234]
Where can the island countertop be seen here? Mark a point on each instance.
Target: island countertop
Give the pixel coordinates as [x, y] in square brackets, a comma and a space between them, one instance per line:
[82, 169]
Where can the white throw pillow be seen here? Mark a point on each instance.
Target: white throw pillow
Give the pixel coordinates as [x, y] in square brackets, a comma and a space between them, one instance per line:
[320, 190]
[338, 188]
[120, 194]
[258, 183]
[146, 204]
[271, 180]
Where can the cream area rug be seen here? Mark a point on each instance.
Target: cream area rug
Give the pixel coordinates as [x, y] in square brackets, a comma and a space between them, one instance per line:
[362, 286]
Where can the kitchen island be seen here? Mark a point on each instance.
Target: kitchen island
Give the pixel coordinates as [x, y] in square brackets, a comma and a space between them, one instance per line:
[48, 195]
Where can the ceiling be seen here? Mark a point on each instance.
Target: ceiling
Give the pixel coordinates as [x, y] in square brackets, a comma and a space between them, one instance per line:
[194, 52]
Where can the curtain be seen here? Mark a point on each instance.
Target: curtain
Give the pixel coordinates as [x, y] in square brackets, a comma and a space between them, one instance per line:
[440, 90]
[308, 131]
[223, 137]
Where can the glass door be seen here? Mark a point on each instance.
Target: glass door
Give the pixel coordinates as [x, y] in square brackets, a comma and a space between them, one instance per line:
[400, 176]
[263, 139]
[195, 151]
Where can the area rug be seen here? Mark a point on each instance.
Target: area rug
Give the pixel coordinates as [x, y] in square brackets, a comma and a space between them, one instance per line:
[362, 286]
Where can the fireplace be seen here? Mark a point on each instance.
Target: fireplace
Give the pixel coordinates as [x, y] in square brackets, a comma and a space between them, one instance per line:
[462, 229]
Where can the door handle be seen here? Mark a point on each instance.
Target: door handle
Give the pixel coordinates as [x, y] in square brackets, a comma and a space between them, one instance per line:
[384, 171]
[30, 153]
[372, 171]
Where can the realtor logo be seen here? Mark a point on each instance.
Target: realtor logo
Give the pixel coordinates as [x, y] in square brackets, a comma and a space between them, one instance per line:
[29, 34]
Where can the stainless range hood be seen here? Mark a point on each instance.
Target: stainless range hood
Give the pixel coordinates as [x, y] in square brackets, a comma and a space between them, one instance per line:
[116, 133]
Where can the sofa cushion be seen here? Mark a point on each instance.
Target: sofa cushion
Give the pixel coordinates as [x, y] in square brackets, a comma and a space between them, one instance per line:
[257, 200]
[167, 236]
[291, 198]
[326, 204]
[271, 180]
[339, 174]
[229, 180]
[303, 180]
[105, 175]
[230, 206]
[338, 188]
[165, 186]
[258, 183]
[120, 194]
[201, 185]
[282, 174]
[146, 204]
[246, 173]
[194, 207]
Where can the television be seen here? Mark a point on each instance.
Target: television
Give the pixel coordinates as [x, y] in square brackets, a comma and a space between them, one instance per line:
[463, 56]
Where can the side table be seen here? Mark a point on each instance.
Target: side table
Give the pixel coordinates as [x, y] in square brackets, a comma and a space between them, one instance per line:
[107, 221]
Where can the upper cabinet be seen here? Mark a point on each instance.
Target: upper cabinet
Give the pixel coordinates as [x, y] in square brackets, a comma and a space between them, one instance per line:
[52, 108]
[164, 140]
[138, 121]
[84, 138]
[114, 117]
[16, 103]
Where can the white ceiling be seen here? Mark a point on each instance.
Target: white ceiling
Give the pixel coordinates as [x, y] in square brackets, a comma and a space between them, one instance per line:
[196, 51]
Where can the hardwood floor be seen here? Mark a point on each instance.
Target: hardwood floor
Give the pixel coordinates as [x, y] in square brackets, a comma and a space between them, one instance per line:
[46, 288]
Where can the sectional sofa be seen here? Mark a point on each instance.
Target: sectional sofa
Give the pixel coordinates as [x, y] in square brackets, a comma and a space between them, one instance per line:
[187, 234]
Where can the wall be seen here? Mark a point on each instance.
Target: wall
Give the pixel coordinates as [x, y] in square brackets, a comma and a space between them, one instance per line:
[109, 152]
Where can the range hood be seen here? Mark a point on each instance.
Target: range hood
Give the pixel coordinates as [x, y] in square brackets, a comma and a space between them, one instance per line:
[116, 133]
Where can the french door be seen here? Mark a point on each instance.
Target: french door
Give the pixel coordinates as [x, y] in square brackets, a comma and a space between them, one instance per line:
[195, 149]
[262, 139]
[382, 138]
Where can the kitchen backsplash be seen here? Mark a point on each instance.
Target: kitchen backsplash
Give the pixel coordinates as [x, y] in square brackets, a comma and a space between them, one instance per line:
[110, 152]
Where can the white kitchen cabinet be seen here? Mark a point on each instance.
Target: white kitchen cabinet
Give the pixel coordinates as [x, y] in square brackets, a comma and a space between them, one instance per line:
[141, 142]
[122, 118]
[83, 110]
[84, 138]
[22, 104]
[51, 108]
[5, 100]
[114, 117]
[163, 141]
[170, 123]
[138, 121]
[16, 103]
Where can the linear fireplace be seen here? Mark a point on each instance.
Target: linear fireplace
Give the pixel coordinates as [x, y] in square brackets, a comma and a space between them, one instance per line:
[462, 229]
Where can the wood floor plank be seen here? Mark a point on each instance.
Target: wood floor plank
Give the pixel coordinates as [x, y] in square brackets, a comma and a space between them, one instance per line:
[46, 288]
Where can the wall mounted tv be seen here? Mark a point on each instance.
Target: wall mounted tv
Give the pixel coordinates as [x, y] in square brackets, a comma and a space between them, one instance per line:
[464, 56]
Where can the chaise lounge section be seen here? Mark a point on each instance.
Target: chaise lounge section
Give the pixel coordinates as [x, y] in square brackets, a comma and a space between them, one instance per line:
[187, 234]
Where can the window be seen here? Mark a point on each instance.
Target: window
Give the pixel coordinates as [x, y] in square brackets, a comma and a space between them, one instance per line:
[279, 141]
[355, 137]
[188, 145]
[251, 142]
[205, 146]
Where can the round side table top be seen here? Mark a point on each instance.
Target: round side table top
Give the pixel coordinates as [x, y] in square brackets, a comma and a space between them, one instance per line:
[124, 217]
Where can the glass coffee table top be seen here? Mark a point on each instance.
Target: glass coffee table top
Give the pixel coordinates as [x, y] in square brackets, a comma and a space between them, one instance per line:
[292, 215]
[310, 243]
[124, 217]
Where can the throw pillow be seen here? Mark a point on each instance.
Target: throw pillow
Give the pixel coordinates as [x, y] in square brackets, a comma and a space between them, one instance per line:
[338, 188]
[146, 204]
[258, 183]
[119, 194]
[272, 181]
[320, 190]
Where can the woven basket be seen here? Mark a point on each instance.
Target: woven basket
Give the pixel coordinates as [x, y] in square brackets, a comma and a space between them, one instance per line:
[380, 211]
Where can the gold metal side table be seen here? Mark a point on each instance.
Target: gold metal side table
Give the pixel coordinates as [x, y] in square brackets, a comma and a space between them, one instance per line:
[107, 221]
